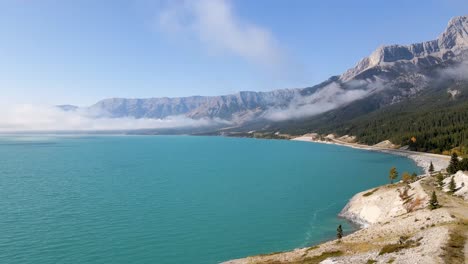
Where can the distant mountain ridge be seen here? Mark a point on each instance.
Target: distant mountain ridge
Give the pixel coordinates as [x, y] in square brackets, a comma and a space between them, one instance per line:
[224, 107]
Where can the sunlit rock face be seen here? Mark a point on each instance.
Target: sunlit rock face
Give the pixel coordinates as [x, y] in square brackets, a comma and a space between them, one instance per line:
[451, 44]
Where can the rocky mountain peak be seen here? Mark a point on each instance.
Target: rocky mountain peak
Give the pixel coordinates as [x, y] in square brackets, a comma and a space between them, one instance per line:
[458, 22]
[456, 34]
[452, 42]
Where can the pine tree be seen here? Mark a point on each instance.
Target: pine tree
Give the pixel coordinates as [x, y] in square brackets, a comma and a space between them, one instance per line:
[452, 185]
[440, 180]
[433, 203]
[393, 174]
[339, 232]
[431, 168]
[454, 164]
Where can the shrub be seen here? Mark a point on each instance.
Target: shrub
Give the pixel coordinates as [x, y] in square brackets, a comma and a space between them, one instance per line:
[390, 248]
[322, 257]
[339, 232]
[370, 193]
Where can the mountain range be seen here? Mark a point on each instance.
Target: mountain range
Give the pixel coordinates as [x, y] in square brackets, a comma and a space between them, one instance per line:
[391, 76]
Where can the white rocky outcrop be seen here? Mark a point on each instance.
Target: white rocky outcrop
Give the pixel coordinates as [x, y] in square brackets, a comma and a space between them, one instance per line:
[453, 93]
[383, 203]
[347, 139]
[461, 183]
[308, 137]
[385, 144]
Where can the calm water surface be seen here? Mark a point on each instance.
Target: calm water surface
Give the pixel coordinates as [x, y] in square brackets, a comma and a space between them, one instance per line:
[173, 199]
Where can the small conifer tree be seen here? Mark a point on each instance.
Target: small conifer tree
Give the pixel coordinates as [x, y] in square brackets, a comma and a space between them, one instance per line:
[452, 185]
[440, 180]
[393, 175]
[454, 164]
[339, 232]
[431, 168]
[433, 203]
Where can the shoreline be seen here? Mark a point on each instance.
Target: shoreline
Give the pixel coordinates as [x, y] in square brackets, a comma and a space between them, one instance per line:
[422, 159]
[392, 233]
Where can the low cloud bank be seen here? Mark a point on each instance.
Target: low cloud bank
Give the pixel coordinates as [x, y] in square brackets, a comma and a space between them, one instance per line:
[327, 98]
[48, 118]
[458, 72]
[28, 117]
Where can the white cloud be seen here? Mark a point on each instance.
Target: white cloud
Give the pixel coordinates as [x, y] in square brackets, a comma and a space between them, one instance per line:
[47, 118]
[215, 24]
[458, 72]
[324, 99]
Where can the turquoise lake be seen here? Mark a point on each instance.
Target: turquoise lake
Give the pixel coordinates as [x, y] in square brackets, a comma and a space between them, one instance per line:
[174, 199]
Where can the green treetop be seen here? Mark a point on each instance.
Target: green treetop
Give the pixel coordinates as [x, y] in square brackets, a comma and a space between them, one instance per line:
[454, 164]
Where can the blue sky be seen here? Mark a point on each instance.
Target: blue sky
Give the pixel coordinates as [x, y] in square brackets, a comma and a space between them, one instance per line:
[78, 52]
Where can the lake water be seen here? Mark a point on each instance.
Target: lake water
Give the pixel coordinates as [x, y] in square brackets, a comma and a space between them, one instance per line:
[174, 199]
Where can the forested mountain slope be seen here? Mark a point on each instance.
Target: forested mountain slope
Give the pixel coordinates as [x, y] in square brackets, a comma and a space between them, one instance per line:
[436, 120]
